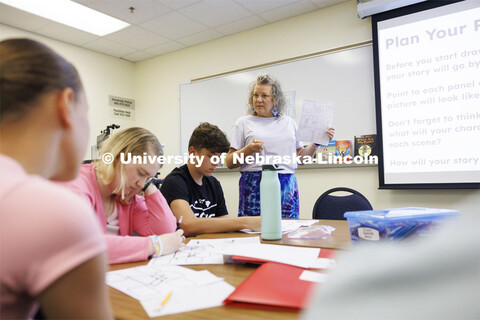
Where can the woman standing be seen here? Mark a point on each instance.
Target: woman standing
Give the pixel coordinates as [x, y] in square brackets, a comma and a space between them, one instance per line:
[269, 132]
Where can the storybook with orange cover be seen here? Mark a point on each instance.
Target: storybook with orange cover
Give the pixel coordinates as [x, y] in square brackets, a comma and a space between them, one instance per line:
[273, 286]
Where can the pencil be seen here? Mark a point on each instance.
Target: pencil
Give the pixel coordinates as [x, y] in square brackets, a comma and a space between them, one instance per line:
[179, 222]
[166, 299]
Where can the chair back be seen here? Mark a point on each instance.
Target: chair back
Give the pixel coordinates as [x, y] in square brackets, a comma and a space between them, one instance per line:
[332, 207]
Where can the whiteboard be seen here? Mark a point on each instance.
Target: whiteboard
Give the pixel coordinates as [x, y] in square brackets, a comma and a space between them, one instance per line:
[344, 77]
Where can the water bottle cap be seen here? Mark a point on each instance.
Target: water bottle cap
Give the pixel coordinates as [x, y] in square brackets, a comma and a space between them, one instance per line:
[270, 167]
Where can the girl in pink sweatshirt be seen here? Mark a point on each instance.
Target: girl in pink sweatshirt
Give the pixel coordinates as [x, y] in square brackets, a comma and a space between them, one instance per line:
[123, 208]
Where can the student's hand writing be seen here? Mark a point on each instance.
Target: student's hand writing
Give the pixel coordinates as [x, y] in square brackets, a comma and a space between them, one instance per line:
[330, 132]
[172, 241]
[255, 146]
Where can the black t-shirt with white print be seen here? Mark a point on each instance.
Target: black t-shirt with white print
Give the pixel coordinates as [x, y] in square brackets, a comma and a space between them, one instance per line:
[206, 201]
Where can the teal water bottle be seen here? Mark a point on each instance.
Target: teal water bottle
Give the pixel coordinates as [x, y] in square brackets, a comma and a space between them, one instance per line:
[270, 203]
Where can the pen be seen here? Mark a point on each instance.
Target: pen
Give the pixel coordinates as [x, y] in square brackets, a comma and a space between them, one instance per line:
[179, 222]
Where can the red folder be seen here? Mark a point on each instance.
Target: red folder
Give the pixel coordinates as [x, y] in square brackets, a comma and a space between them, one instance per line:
[324, 253]
[273, 286]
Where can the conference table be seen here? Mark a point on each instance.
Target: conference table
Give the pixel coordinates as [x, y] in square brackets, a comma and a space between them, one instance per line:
[125, 307]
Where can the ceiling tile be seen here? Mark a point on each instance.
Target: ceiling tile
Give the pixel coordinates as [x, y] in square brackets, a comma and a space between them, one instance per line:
[213, 13]
[200, 37]
[84, 2]
[136, 38]
[65, 33]
[162, 26]
[144, 9]
[257, 7]
[240, 25]
[165, 48]
[173, 26]
[21, 19]
[109, 47]
[177, 4]
[138, 56]
[288, 11]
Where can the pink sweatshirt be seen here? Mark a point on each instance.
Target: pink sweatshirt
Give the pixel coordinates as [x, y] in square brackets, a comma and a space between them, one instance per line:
[144, 216]
[45, 232]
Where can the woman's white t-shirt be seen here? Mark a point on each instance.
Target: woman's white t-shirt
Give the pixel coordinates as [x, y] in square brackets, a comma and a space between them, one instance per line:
[279, 136]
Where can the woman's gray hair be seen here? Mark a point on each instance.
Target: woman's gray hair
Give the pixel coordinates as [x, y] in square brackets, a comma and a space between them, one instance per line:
[279, 100]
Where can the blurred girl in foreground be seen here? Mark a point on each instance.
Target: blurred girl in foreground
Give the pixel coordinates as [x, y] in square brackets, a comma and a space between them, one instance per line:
[51, 250]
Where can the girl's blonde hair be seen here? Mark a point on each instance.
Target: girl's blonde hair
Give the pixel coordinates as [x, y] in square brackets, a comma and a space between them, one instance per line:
[135, 141]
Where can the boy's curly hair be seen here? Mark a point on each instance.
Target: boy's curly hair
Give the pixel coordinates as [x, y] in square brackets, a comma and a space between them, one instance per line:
[210, 137]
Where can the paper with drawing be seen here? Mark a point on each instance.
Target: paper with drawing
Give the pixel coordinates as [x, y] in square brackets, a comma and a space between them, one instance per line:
[317, 117]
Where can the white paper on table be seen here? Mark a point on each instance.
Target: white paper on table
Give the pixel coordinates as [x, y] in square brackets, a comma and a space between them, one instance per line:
[203, 297]
[201, 251]
[287, 226]
[291, 225]
[295, 256]
[317, 117]
[157, 281]
[323, 263]
[313, 276]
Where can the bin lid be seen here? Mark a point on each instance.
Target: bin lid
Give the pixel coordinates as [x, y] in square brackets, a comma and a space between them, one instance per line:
[410, 213]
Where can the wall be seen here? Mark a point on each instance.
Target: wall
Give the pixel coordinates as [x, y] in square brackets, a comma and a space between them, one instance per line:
[154, 85]
[157, 81]
[102, 75]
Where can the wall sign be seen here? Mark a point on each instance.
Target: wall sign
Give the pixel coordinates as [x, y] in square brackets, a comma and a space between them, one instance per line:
[122, 107]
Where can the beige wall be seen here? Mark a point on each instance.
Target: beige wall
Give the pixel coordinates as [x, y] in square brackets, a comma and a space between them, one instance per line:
[102, 75]
[154, 85]
[157, 82]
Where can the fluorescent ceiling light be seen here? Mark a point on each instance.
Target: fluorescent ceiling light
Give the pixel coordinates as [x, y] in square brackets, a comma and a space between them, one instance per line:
[71, 14]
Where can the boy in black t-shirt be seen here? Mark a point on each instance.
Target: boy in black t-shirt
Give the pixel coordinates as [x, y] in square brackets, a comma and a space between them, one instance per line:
[193, 193]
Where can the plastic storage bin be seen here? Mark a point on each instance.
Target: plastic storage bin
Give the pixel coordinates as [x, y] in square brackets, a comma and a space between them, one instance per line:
[395, 224]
